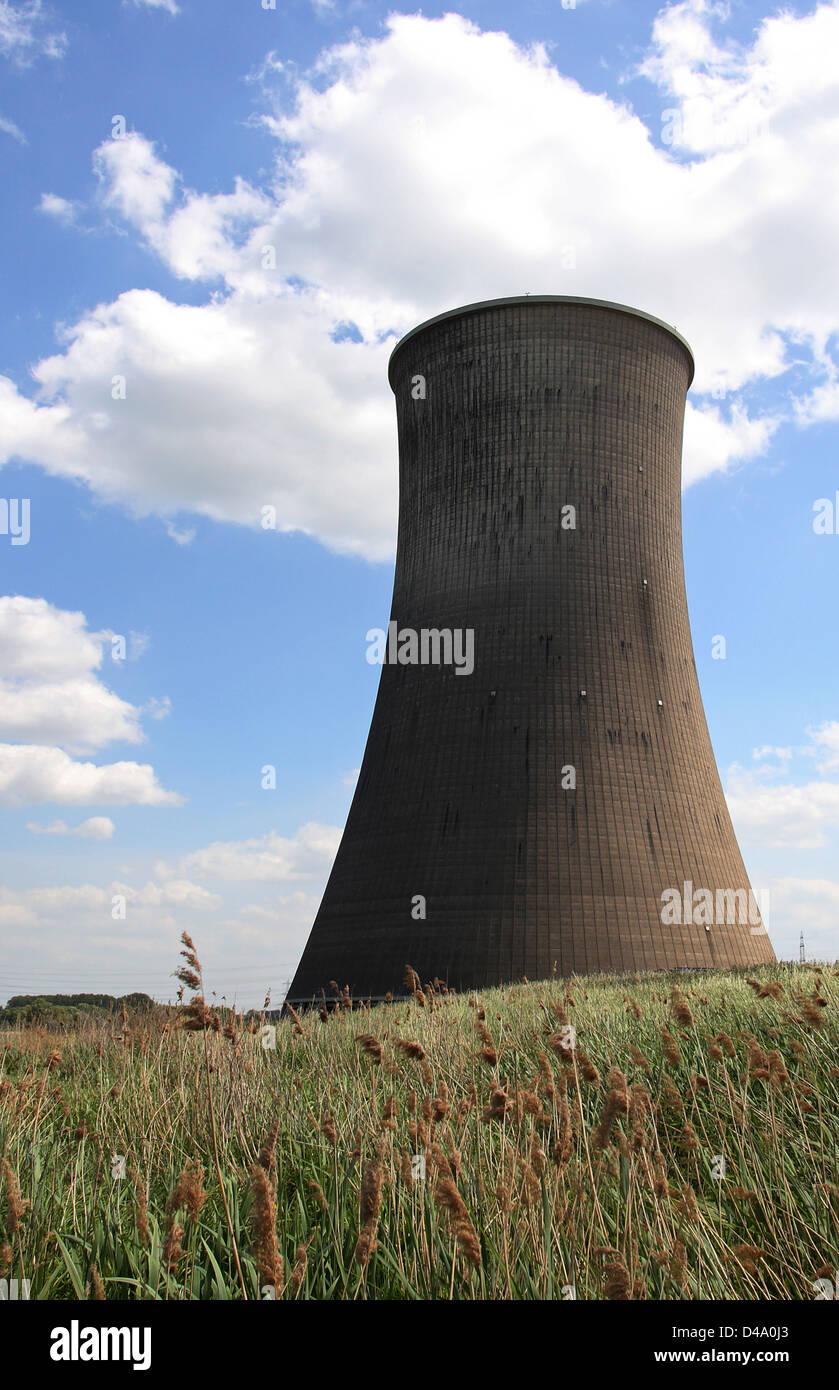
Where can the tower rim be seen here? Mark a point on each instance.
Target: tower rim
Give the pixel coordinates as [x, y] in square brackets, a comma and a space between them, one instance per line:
[510, 300]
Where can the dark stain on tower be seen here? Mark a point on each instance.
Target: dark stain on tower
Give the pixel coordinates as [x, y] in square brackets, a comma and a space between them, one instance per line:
[543, 804]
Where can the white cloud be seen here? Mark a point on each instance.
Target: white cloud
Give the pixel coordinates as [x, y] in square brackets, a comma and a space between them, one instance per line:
[14, 130]
[135, 181]
[89, 906]
[53, 704]
[768, 751]
[174, 893]
[138, 645]
[419, 170]
[23, 36]
[269, 859]
[94, 828]
[40, 641]
[808, 905]
[279, 925]
[81, 715]
[826, 745]
[168, 5]
[713, 443]
[59, 208]
[30, 775]
[217, 387]
[781, 816]
[158, 709]
[49, 693]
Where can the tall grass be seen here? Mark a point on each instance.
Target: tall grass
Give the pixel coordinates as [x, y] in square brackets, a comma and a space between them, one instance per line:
[639, 1137]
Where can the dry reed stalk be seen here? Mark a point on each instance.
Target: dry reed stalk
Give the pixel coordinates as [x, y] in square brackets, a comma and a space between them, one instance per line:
[588, 1070]
[671, 1097]
[688, 1141]
[406, 1171]
[617, 1285]
[193, 968]
[686, 1207]
[680, 1008]
[440, 1105]
[173, 1246]
[748, 1256]
[370, 1046]
[369, 1205]
[617, 1103]
[670, 1048]
[488, 1051]
[296, 1020]
[15, 1204]
[141, 1210]
[499, 1104]
[678, 1264]
[317, 1193]
[269, 1261]
[564, 1145]
[778, 1074]
[450, 1201]
[546, 1076]
[811, 1008]
[189, 1193]
[267, 1153]
[298, 1273]
[658, 1175]
[639, 1109]
[638, 1057]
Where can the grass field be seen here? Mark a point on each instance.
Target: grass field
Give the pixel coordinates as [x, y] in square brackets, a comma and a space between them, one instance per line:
[644, 1137]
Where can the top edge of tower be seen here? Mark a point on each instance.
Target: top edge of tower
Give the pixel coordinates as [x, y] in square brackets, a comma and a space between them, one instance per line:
[541, 299]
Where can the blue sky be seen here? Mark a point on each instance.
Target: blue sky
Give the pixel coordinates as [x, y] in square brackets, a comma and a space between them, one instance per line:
[393, 165]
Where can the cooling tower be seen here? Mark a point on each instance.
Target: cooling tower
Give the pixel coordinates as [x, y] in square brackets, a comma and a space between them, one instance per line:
[551, 805]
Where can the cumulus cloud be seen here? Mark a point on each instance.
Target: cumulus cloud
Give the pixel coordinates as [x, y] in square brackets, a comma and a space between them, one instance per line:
[94, 828]
[268, 859]
[53, 704]
[77, 714]
[781, 816]
[250, 403]
[808, 905]
[60, 208]
[49, 692]
[90, 906]
[427, 167]
[175, 893]
[24, 32]
[30, 775]
[138, 184]
[38, 640]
